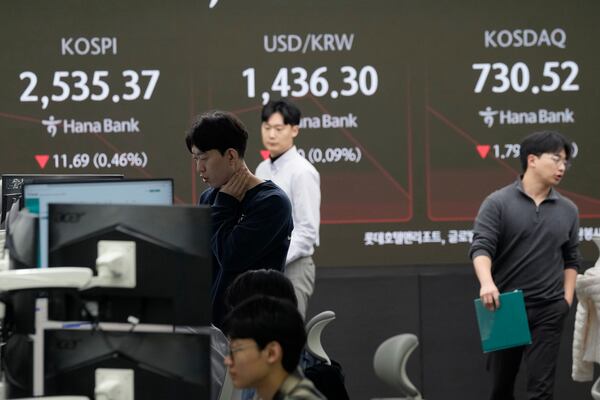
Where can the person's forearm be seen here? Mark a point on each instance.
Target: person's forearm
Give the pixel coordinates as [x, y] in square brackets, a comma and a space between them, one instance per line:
[483, 270]
[488, 293]
[238, 243]
[570, 280]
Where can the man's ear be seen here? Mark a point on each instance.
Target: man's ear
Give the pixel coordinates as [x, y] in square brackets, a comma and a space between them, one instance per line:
[274, 352]
[295, 130]
[531, 159]
[232, 154]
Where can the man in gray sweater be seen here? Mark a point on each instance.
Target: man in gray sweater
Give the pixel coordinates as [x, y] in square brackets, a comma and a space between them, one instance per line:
[526, 237]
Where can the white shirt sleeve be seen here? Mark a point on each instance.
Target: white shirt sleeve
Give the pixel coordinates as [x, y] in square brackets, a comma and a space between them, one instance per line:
[302, 183]
[305, 195]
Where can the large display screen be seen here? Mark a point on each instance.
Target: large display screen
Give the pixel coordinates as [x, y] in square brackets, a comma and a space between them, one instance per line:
[412, 110]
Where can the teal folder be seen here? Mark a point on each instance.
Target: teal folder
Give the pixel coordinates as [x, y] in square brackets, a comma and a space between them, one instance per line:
[507, 326]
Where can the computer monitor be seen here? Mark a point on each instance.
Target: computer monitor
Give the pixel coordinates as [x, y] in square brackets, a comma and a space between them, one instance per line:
[136, 191]
[173, 262]
[164, 365]
[12, 186]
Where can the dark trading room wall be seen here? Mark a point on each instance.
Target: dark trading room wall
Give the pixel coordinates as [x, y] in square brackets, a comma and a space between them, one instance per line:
[436, 304]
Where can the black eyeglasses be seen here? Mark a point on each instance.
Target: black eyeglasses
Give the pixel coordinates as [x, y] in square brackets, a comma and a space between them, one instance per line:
[233, 350]
[558, 160]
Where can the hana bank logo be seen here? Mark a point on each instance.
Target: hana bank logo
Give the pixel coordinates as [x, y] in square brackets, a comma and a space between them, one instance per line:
[212, 3]
[51, 125]
[488, 116]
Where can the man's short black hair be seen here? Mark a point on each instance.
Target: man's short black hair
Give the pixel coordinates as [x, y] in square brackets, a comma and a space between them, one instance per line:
[266, 282]
[217, 130]
[268, 319]
[291, 114]
[542, 142]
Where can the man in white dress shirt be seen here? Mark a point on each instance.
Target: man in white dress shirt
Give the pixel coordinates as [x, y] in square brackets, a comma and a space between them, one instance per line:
[301, 182]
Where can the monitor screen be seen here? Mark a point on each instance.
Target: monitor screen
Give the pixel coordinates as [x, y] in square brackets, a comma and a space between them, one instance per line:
[39, 195]
[12, 185]
[165, 365]
[173, 262]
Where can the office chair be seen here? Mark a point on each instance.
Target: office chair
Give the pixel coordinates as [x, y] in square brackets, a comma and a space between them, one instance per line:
[596, 390]
[314, 328]
[390, 361]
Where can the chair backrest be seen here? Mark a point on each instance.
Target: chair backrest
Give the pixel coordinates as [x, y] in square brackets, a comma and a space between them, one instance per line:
[314, 328]
[596, 390]
[390, 361]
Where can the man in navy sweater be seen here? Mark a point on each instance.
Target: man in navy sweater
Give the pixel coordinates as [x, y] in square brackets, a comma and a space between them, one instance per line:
[252, 218]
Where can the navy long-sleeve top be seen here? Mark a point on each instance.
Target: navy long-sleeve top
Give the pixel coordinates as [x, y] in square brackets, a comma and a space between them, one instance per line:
[252, 234]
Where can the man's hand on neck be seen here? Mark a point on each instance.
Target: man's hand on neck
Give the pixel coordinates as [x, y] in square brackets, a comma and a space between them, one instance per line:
[240, 182]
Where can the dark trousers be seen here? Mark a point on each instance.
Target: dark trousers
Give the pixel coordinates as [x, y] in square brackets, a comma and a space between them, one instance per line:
[546, 325]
